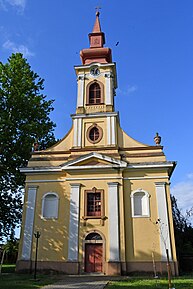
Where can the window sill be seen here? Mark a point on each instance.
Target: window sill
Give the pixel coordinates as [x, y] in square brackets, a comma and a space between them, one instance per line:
[49, 218]
[94, 217]
[91, 104]
[101, 218]
[141, 216]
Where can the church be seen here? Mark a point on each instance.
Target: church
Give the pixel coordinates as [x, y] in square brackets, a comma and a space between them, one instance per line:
[99, 199]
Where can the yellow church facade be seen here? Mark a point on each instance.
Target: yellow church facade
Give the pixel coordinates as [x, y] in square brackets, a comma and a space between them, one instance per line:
[97, 195]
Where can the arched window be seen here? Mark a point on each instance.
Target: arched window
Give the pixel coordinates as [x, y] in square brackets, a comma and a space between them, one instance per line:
[50, 206]
[93, 236]
[95, 93]
[140, 203]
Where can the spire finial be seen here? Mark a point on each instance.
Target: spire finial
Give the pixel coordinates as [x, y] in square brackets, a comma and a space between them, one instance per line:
[97, 26]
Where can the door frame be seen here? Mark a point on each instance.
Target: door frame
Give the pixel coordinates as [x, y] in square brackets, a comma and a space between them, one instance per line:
[94, 242]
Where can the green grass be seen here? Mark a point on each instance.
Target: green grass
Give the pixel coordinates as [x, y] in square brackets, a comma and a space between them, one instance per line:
[23, 281]
[8, 268]
[178, 283]
[9, 280]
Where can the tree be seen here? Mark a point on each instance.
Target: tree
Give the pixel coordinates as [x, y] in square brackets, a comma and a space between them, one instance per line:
[183, 234]
[9, 252]
[24, 118]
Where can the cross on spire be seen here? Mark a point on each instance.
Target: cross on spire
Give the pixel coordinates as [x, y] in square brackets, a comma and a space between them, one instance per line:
[97, 10]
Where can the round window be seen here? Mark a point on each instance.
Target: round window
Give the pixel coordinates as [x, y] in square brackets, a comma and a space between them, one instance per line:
[94, 134]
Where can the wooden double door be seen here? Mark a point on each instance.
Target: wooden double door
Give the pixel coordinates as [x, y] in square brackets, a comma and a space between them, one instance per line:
[93, 258]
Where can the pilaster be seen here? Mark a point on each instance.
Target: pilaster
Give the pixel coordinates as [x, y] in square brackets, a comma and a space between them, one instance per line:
[29, 223]
[74, 222]
[164, 221]
[114, 246]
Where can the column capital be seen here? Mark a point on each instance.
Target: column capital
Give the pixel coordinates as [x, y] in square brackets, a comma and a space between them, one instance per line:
[160, 184]
[113, 184]
[77, 185]
[32, 187]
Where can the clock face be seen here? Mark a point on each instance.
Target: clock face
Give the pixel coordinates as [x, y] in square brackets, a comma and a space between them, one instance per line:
[95, 71]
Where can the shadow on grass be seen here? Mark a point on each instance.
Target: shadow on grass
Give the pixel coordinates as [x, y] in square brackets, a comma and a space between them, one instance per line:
[21, 281]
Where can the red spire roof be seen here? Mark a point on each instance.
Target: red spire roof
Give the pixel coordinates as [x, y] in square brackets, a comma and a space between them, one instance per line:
[97, 26]
[96, 52]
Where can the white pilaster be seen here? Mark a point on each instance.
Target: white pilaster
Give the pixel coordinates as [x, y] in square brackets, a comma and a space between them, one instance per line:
[77, 137]
[29, 223]
[74, 222]
[79, 132]
[75, 125]
[164, 221]
[108, 130]
[80, 97]
[113, 222]
[113, 130]
[108, 91]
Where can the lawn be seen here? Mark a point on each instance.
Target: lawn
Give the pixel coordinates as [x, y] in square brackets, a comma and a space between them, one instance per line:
[11, 280]
[136, 283]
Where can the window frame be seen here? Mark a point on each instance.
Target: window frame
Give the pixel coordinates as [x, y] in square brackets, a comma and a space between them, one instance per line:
[100, 133]
[94, 190]
[145, 204]
[43, 206]
[101, 86]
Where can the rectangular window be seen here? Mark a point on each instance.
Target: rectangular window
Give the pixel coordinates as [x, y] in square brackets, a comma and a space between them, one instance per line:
[94, 203]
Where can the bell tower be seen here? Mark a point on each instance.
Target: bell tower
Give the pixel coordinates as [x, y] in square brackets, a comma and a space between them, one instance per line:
[95, 121]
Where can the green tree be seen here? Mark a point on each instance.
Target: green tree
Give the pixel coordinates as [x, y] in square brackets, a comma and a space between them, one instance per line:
[183, 234]
[24, 118]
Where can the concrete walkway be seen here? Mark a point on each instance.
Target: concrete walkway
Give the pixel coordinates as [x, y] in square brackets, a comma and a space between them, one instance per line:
[82, 282]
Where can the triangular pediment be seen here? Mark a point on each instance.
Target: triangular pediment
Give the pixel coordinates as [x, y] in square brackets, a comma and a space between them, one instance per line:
[93, 161]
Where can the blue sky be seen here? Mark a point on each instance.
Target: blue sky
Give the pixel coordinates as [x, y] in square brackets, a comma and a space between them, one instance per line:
[154, 65]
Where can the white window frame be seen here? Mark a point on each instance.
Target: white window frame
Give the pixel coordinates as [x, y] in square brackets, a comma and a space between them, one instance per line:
[43, 204]
[145, 204]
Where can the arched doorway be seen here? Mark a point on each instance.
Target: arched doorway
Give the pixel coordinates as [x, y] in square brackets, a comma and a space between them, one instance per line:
[94, 253]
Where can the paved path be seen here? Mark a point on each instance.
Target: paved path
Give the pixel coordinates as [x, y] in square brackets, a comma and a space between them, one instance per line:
[82, 282]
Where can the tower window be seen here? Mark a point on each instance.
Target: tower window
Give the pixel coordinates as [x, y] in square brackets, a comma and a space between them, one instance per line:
[94, 93]
[94, 134]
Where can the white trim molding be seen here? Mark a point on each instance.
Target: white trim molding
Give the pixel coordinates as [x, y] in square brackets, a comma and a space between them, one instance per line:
[113, 207]
[29, 223]
[74, 222]
[164, 220]
[96, 178]
[96, 114]
[113, 163]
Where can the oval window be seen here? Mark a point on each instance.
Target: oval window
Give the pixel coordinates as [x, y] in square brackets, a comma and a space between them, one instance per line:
[94, 134]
